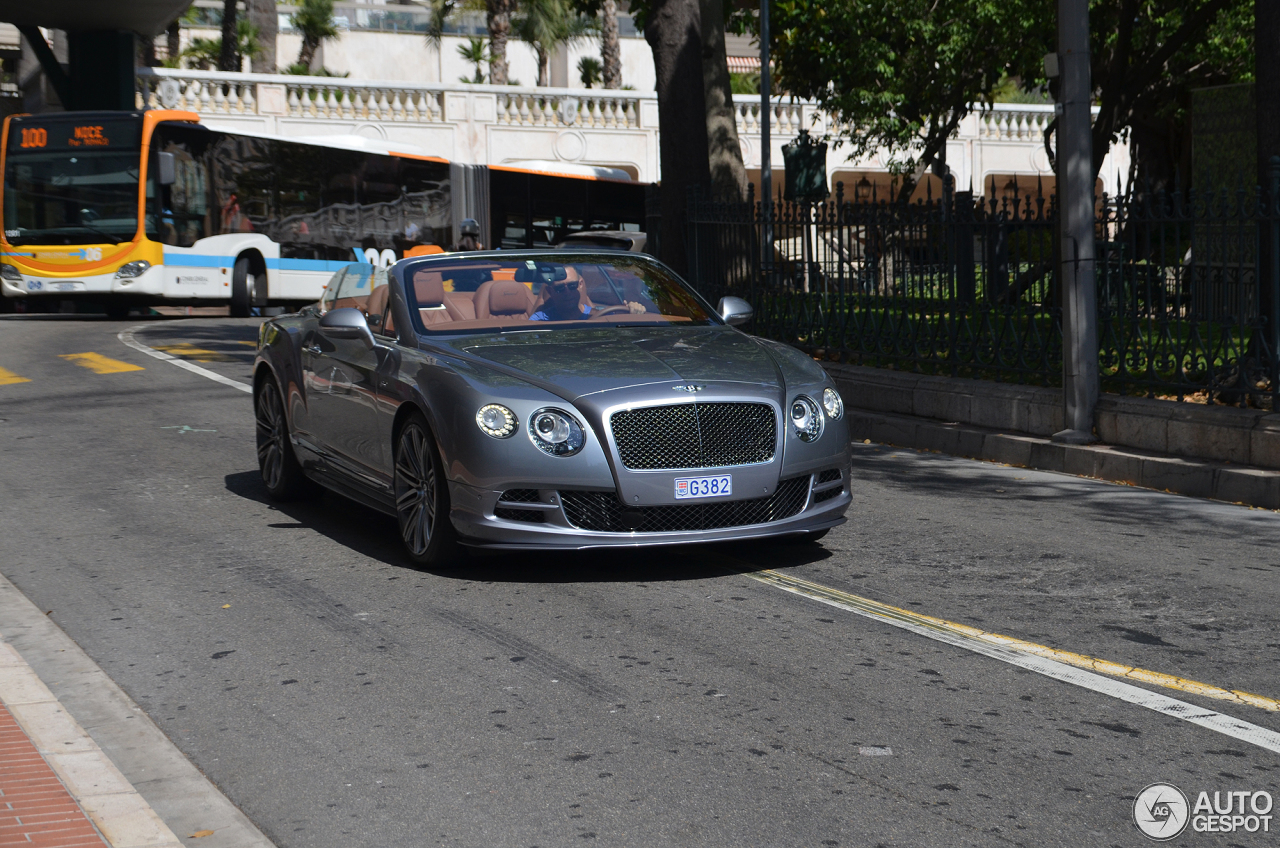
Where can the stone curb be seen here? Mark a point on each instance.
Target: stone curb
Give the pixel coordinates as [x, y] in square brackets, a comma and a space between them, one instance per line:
[127, 776]
[1238, 484]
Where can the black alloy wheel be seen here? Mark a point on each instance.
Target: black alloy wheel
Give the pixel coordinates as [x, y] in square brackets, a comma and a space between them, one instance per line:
[281, 472]
[422, 497]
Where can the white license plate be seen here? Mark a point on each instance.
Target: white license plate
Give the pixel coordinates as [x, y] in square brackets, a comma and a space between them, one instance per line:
[65, 286]
[704, 487]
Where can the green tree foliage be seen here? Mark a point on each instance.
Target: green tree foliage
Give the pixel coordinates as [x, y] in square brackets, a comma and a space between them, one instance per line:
[475, 52]
[590, 71]
[204, 53]
[545, 25]
[314, 20]
[900, 75]
[1147, 56]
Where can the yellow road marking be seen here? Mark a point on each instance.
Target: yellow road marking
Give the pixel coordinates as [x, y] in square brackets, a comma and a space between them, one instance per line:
[884, 611]
[99, 364]
[250, 344]
[187, 351]
[8, 378]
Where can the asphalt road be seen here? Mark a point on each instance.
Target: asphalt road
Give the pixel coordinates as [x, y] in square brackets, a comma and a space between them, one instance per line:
[646, 698]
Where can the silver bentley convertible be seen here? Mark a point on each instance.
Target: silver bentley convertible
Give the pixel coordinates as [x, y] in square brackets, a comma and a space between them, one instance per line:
[547, 400]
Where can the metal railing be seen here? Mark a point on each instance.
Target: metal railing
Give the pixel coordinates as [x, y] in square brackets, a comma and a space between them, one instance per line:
[965, 286]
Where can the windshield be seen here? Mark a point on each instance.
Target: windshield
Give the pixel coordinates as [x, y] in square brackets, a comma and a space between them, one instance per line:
[547, 291]
[71, 197]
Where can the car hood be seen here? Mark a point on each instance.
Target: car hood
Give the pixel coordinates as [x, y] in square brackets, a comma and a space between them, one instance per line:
[587, 361]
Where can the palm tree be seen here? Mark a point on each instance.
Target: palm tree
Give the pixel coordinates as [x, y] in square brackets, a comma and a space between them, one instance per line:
[203, 53]
[547, 24]
[314, 19]
[589, 70]
[474, 52]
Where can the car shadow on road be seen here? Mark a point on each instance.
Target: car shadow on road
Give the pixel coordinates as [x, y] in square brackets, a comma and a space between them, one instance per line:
[374, 535]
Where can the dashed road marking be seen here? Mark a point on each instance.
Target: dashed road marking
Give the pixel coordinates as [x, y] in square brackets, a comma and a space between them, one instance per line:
[189, 351]
[99, 364]
[127, 337]
[1059, 665]
[8, 378]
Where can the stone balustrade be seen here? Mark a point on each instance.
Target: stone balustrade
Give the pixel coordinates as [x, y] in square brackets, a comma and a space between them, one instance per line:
[488, 124]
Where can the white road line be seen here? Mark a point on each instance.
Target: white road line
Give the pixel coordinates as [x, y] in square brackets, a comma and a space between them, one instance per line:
[1215, 721]
[127, 337]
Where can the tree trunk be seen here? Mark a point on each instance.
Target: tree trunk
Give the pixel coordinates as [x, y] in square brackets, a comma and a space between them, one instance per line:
[308, 51]
[499, 20]
[173, 39]
[674, 32]
[147, 46]
[544, 66]
[728, 173]
[610, 51]
[262, 14]
[229, 60]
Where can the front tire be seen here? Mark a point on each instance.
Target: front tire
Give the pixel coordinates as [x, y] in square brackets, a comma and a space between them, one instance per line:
[281, 472]
[422, 498]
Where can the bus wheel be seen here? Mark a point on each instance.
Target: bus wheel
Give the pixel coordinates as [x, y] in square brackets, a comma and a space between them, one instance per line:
[244, 288]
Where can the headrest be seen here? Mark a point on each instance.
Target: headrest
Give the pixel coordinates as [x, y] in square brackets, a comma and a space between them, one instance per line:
[428, 289]
[507, 297]
[542, 272]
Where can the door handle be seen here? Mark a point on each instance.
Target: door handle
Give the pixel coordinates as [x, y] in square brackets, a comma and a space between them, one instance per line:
[313, 349]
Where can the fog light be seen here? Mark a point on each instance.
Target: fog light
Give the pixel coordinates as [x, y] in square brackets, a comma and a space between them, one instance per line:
[496, 421]
[130, 270]
[806, 418]
[556, 433]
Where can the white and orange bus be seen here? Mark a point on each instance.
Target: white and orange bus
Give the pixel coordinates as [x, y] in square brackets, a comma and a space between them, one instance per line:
[133, 209]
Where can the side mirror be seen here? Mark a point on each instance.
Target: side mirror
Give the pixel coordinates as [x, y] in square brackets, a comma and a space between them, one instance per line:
[735, 310]
[347, 323]
[167, 169]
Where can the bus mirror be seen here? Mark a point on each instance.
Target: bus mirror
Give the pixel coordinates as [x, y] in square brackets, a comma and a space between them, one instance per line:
[167, 170]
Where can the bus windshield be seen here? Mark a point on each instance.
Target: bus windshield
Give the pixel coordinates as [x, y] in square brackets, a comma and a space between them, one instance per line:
[71, 197]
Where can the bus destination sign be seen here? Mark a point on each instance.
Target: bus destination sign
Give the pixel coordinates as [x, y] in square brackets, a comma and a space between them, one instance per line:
[72, 135]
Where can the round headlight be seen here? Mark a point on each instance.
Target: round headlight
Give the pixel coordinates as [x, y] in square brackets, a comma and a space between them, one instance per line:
[832, 403]
[556, 433]
[806, 418]
[496, 420]
[132, 269]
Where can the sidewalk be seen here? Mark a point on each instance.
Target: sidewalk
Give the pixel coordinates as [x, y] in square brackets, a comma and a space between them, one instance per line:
[81, 765]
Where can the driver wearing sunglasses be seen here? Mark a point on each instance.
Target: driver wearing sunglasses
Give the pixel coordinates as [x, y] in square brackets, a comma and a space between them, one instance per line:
[562, 303]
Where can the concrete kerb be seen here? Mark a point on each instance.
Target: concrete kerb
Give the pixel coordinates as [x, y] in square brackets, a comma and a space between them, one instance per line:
[1215, 452]
[128, 777]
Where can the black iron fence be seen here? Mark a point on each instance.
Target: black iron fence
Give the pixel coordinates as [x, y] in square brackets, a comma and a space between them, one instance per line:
[967, 286]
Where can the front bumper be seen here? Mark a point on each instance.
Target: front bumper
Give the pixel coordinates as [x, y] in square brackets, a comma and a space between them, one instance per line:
[149, 282]
[484, 520]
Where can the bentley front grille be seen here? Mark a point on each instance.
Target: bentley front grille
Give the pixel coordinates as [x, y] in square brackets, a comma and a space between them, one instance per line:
[603, 512]
[695, 435]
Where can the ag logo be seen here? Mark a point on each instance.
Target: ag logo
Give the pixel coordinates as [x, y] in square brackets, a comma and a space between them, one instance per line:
[1161, 811]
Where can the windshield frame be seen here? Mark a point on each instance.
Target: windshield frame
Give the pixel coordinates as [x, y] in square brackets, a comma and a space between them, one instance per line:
[404, 271]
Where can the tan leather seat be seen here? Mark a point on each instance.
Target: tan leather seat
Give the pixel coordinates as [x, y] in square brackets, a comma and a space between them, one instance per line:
[428, 290]
[375, 311]
[503, 299]
[461, 305]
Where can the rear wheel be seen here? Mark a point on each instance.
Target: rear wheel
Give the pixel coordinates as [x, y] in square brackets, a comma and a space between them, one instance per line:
[422, 498]
[279, 466]
[244, 289]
